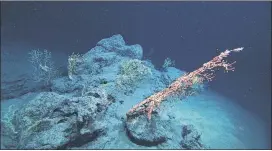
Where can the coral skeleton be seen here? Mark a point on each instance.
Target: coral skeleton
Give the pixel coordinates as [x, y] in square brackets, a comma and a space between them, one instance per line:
[181, 84]
[168, 63]
[43, 66]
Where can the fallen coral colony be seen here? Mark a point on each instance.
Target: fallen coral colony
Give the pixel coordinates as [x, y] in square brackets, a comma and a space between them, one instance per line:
[181, 84]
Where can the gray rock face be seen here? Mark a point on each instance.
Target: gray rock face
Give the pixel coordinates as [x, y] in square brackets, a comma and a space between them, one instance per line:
[64, 85]
[52, 121]
[112, 42]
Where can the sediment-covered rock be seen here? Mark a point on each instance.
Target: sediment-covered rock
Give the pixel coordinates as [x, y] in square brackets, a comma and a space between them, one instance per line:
[146, 132]
[117, 44]
[79, 113]
[52, 121]
[191, 139]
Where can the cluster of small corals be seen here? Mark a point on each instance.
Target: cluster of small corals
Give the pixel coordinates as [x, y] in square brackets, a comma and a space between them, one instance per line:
[72, 63]
[206, 72]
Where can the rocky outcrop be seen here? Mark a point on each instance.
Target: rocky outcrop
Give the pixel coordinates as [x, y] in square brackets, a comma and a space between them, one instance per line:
[79, 113]
[191, 139]
[117, 44]
[52, 121]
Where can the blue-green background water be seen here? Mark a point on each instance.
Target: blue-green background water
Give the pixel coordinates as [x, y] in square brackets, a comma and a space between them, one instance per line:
[190, 33]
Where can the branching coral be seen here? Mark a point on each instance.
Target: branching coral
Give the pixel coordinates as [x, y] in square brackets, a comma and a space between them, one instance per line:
[132, 72]
[168, 63]
[43, 66]
[73, 60]
[181, 84]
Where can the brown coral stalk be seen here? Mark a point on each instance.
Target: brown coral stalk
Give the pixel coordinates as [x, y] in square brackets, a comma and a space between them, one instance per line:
[206, 72]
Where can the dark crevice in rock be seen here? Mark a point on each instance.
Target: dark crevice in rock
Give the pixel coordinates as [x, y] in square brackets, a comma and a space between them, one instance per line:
[191, 139]
[121, 102]
[99, 59]
[185, 131]
[59, 112]
[70, 114]
[111, 98]
[62, 120]
[81, 140]
[131, 116]
[103, 81]
[99, 107]
[96, 95]
[128, 92]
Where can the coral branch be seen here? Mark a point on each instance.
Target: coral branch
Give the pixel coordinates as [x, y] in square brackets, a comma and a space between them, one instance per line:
[179, 86]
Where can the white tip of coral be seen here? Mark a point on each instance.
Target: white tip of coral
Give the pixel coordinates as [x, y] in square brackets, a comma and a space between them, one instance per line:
[238, 49]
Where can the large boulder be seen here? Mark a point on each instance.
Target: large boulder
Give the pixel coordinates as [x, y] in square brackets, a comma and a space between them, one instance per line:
[191, 139]
[142, 131]
[53, 121]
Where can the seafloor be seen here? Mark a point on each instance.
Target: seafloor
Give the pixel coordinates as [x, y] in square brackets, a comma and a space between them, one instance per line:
[88, 111]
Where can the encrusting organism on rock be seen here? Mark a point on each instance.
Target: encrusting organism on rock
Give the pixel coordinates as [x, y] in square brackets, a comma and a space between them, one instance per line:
[179, 86]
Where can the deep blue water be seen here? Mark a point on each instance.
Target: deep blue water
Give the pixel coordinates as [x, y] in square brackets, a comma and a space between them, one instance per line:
[188, 32]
